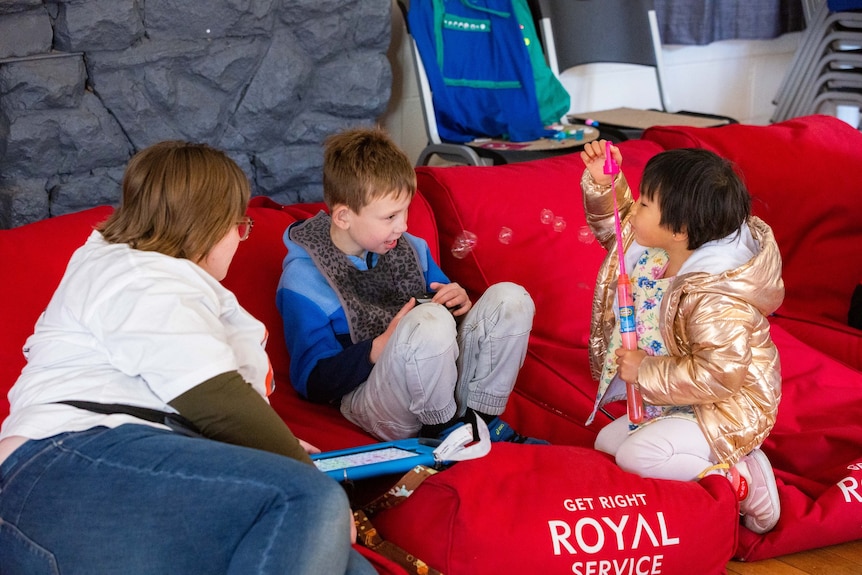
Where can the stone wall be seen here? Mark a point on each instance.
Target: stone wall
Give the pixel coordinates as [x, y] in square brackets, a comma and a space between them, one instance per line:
[86, 83]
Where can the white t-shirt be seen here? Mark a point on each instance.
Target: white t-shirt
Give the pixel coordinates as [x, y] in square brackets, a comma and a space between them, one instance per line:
[132, 327]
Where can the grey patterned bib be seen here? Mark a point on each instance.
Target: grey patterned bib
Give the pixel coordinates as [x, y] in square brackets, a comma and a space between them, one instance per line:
[370, 298]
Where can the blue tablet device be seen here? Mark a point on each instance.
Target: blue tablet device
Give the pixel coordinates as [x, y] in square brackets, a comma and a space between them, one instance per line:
[376, 459]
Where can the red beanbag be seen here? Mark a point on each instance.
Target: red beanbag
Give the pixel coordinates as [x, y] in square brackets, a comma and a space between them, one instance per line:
[34, 258]
[529, 224]
[815, 214]
[529, 227]
[559, 509]
[854, 316]
[816, 451]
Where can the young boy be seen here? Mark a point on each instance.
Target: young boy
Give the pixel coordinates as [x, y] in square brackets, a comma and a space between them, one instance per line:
[355, 332]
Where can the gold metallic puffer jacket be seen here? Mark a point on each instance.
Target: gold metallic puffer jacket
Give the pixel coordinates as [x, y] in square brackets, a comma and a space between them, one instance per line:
[721, 357]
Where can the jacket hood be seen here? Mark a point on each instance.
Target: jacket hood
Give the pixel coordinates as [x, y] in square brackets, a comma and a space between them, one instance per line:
[294, 250]
[745, 265]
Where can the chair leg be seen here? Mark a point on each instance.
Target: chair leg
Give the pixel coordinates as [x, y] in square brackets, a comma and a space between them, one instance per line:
[456, 153]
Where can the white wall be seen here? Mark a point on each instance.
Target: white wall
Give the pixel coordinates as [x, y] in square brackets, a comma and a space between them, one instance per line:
[736, 78]
[403, 118]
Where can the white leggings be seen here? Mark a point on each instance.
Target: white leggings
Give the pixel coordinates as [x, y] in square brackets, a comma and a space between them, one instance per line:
[671, 448]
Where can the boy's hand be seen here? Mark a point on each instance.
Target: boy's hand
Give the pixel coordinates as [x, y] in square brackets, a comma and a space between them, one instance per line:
[379, 342]
[453, 296]
[594, 159]
[628, 362]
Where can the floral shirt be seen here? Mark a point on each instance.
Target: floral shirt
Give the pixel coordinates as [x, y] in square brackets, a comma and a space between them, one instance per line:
[648, 288]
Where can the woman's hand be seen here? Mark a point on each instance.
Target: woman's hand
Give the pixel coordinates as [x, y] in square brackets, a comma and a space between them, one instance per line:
[309, 448]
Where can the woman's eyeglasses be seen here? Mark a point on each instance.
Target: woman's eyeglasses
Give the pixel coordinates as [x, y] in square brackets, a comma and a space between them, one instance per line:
[243, 227]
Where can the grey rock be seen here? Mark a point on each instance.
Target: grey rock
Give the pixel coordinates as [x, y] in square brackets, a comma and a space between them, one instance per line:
[98, 25]
[266, 80]
[176, 89]
[184, 20]
[72, 193]
[25, 33]
[23, 201]
[56, 81]
[48, 142]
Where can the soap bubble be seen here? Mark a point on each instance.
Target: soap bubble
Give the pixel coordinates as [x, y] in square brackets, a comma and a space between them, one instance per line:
[464, 244]
[559, 224]
[547, 216]
[585, 235]
[505, 235]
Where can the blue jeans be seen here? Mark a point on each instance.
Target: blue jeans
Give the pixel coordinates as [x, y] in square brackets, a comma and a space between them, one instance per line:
[138, 500]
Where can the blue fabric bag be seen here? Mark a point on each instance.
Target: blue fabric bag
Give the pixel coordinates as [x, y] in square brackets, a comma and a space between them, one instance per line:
[479, 69]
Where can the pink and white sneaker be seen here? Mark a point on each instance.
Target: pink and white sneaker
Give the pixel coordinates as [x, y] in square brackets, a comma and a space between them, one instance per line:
[757, 492]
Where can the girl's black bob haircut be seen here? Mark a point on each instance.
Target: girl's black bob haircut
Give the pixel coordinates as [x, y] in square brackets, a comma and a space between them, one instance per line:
[699, 193]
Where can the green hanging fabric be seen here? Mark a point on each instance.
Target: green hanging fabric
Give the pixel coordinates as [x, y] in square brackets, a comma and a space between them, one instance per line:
[554, 100]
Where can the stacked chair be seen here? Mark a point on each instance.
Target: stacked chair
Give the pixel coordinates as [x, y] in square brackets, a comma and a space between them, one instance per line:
[826, 70]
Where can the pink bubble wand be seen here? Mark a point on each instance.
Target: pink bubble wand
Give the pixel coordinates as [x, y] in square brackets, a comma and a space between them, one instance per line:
[625, 301]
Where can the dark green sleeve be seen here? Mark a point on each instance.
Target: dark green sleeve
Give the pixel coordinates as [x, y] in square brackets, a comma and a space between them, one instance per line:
[228, 409]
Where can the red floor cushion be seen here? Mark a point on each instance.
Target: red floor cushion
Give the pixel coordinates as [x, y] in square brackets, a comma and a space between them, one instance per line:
[803, 175]
[34, 258]
[816, 451]
[558, 509]
[511, 210]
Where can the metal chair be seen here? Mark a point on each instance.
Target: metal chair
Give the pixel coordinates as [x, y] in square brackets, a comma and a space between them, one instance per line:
[479, 153]
[579, 32]
[603, 31]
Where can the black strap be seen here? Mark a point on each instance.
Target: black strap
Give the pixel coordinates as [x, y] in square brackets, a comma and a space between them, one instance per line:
[174, 421]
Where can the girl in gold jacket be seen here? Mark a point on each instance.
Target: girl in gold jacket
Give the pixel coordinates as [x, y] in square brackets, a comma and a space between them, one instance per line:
[705, 275]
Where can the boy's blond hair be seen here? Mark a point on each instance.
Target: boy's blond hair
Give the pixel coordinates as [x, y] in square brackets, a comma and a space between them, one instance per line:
[179, 199]
[362, 164]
